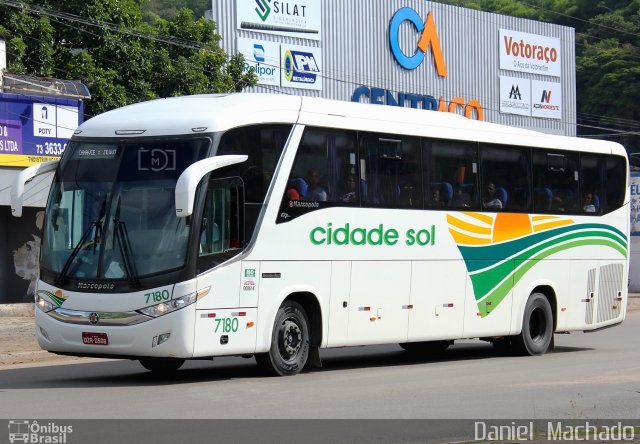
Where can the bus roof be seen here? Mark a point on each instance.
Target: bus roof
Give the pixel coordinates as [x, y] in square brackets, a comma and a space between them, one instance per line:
[220, 112]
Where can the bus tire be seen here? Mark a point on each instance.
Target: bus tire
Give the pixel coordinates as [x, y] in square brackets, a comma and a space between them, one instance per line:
[290, 342]
[426, 348]
[161, 365]
[537, 326]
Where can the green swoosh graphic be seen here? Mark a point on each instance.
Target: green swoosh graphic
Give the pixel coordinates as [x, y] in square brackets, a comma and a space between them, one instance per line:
[494, 278]
[492, 254]
[489, 280]
[53, 298]
[491, 300]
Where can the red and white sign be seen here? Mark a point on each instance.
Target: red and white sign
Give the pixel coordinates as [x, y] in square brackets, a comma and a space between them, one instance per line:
[546, 99]
[95, 338]
[531, 53]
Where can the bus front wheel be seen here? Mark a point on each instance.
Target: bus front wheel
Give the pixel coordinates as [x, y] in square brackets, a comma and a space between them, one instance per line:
[537, 326]
[289, 342]
[161, 365]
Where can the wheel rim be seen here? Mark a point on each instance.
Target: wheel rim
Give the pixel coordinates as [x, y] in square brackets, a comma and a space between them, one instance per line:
[289, 339]
[538, 325]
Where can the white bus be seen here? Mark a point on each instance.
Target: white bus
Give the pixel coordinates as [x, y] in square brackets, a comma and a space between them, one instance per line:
[269, 225]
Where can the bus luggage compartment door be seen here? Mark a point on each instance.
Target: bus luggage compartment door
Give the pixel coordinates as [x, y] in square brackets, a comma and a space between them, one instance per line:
[378, 302]
[225, 331]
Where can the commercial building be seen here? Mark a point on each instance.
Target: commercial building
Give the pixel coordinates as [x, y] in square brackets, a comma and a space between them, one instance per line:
[418, 54]
[411, 53]
[37, 117]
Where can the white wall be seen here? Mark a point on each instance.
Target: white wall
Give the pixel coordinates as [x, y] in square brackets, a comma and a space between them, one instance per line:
[36, 191]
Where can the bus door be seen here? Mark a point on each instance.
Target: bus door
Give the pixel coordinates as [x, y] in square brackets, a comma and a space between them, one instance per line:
[220, 324]
[379, 301]
[437, 300]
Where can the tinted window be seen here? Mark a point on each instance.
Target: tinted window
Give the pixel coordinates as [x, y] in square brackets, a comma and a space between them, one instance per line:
[116, 203]
[555, 182]
[591, 176]
[390, 171]
[505, 173]
[616, 182]
[221, 235]
[324, 165]
[450, 174]
[263, 144]
[325, 173]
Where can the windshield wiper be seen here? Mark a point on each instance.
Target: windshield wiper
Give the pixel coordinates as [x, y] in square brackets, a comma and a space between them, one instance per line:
[97, 224]
[123, 241]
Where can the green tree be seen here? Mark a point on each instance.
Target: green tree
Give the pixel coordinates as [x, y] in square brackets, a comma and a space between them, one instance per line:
[122, 58]
[168, 9]
[607, 58]
[608, 72]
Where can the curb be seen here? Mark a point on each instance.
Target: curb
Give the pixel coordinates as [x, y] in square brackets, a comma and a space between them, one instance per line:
[17, 310]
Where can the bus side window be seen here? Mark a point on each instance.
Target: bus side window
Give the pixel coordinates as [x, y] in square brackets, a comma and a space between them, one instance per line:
[604, 181]
[450, 174]
[615, 183]
[591, 180]
[555, 182]
[506, 178]
[221, 224]
[391, 171]
[325, 173]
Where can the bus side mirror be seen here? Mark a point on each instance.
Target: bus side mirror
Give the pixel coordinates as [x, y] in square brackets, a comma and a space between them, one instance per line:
[17, 188]
[190, 178]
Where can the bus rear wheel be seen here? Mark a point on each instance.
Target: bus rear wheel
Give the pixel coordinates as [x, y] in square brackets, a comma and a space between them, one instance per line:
[289, 342]
[161, 365]
[427, 348]
[537, 326]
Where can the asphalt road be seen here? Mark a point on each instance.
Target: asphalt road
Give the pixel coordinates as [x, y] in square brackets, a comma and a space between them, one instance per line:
[593, 375]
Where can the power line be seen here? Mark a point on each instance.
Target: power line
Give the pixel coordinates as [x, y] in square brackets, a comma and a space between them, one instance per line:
[59, 15]
[60, 18]
[591, 22]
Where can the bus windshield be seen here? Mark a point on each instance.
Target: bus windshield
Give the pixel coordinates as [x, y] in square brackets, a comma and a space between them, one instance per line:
[111, 213]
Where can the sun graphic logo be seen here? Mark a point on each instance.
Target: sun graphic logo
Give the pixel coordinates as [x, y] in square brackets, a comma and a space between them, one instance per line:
[499, 249]
[56, 298]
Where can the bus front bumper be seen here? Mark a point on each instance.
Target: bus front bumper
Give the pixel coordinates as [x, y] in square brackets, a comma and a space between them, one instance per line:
[170, 335]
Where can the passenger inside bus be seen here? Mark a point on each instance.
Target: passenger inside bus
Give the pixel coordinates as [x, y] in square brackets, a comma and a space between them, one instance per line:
[492, 199]
[350, 193]
[315, 192]
[436, 202]
[558, 204]
[588, 203]
[297, 188]
[460, 198]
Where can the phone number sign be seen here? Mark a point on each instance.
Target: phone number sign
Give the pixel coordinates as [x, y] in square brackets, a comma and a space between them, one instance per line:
[35, 129]
[10, 137]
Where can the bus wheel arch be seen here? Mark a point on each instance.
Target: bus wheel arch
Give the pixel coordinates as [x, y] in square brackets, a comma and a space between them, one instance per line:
[538, 325]
[296, 334]
[312, 308]
[550, 294]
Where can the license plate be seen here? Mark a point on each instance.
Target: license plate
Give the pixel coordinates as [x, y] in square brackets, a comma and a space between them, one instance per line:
[95, 339]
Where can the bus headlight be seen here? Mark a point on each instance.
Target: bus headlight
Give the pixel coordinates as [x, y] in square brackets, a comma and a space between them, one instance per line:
[167, 307]
[44, 305]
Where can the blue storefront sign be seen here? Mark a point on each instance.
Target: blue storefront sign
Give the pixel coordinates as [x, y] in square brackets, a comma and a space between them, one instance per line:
[34, 129]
